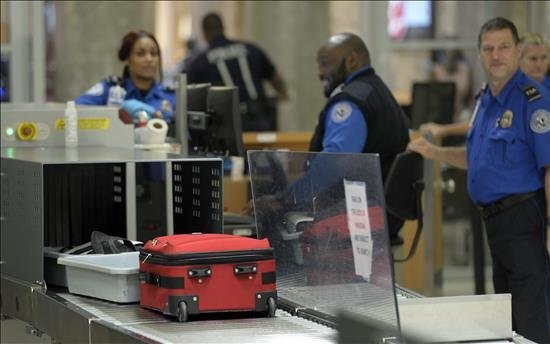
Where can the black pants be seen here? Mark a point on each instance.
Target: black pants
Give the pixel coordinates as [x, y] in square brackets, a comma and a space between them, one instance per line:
[521, 266]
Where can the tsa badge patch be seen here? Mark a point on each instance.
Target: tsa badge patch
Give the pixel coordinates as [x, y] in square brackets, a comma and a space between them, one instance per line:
[540, 121]
[340, 112]
[166, 106]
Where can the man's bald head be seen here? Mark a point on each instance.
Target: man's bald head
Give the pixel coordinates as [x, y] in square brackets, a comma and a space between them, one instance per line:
[339, 57]
[347, 43]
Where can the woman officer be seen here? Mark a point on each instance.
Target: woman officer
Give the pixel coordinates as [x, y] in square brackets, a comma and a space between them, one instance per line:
[137, 90]
[534, 58]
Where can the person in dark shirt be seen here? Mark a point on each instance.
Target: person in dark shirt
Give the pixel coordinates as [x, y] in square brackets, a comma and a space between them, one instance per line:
[235, 63]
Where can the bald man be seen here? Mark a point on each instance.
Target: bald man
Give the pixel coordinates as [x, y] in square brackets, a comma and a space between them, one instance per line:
[361, 114]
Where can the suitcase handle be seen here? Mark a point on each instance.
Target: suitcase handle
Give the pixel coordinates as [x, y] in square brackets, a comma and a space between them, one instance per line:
[161, 281]
[244, 269]
[199, 272]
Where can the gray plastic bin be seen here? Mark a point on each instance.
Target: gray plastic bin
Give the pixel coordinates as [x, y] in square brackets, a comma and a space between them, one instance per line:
[112, 277]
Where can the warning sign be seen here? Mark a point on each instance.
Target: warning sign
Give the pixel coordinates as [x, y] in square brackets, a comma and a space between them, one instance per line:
[359, 226]
[89, 123]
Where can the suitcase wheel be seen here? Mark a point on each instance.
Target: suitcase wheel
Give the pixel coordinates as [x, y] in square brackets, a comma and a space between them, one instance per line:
[271, 307]
[182, 311]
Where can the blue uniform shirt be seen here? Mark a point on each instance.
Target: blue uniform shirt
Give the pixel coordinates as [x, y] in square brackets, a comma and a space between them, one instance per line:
[345, 132]
[546, 82]
[106, 93]
[345, 126]
[508, 146]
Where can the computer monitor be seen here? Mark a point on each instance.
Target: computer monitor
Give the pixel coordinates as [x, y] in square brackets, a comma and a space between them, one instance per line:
[197, 116]
[196, 97]
[217, 130]
[432, 102]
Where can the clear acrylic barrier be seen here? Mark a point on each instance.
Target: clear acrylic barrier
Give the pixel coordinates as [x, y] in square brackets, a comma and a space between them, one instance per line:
[324, 215]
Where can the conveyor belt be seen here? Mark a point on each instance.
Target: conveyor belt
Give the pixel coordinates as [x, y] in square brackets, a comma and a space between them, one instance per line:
[363, 298]
[154, 326]
[72, 318]
[282, 328]
[114, 313]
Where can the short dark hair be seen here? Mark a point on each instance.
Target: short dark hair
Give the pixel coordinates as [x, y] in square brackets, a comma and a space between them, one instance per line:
[127, 45]
[212, 24]
[496, 24]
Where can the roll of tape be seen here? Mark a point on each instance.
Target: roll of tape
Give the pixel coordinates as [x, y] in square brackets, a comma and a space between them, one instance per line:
[153, 133]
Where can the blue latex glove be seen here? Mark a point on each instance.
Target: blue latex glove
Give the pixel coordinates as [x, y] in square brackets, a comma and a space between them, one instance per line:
[140, 111]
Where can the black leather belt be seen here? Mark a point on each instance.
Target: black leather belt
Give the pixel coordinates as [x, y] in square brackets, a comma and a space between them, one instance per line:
[490, 209]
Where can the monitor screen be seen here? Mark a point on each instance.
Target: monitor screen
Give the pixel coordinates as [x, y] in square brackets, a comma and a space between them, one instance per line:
[196, 97]
[432, 102]
[410, 19]
[218, 130]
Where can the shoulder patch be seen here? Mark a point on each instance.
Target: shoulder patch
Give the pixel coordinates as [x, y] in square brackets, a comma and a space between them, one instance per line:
[540, 121]
[531, 93]
[340, 112]
[113, 80]
[95, 90]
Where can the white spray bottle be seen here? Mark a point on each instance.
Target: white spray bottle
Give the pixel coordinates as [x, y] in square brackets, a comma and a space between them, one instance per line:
[71, 125]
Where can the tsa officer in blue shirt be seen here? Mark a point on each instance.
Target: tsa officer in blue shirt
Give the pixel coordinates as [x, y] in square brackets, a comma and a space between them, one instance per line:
[508, 165]
[137, 91]
[361, 114]
[534, 62]
[534, 58]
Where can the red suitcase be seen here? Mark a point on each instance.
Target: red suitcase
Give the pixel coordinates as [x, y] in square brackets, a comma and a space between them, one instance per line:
[199, 273]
